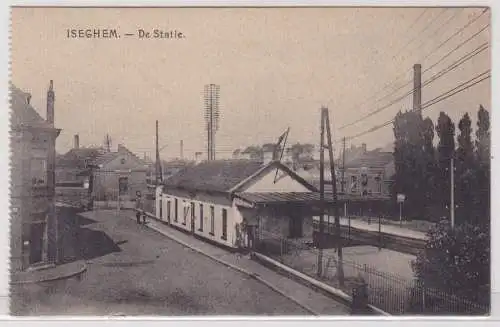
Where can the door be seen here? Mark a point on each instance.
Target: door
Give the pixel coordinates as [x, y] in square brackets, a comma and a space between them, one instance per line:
[295, 226]
[37, 231]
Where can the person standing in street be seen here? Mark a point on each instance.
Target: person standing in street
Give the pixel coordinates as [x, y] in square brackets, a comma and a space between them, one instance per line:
[138, 207]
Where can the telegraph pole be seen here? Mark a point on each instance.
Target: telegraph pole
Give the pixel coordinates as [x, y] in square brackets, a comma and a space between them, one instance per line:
[452, 192]
[321, 194]
[157, 170]
[340, 268]
[342, 185]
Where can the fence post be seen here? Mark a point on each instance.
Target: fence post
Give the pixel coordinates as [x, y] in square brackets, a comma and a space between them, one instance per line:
[281, 249]
[379, 232]
[349, 230]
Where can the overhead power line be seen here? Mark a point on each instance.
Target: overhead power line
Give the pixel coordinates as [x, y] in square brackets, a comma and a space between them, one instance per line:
[436, 76]
[417, 35]
[456, 48]
[397, 78]
[416, 20]
[425, 40]
[460, 88]
[470, 22]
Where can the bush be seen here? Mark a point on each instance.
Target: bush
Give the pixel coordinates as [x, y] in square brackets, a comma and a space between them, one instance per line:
[456, 261]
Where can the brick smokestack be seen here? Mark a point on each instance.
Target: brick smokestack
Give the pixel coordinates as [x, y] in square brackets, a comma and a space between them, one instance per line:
[50, 103]
[76, 141]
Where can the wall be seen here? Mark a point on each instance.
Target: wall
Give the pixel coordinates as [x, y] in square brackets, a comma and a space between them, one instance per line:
[373, 186]
[285, 183]
[107, 183]
[28, 202]
[218, 202]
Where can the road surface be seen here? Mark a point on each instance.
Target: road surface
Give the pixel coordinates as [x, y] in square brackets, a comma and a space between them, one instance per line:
[134, 270]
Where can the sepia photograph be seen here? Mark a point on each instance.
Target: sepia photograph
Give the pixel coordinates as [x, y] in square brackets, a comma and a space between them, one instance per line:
[250, 161]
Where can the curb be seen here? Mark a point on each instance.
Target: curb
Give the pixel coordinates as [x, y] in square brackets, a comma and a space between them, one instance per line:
[230, 265]
[80, 272]
[327, 289]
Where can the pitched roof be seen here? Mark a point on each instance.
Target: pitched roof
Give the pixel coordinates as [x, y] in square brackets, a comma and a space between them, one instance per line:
[77, 157]
[22, 113]
[108, 156]
[177, 163]
[373, 158]
[215, 175]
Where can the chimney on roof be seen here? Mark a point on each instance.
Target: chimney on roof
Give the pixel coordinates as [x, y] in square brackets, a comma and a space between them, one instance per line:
[120, 147]
[76, 141]
[50, 103]
[363, 147]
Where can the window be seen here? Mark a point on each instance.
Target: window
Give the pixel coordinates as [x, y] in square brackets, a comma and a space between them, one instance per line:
[212, 220]
[354, 184]
[176, 208]
[201, 218]
[39, 171]
[192, 216]
[184, 212]
[378, 179]
[224, 224]
[168, 210]
[123, 185]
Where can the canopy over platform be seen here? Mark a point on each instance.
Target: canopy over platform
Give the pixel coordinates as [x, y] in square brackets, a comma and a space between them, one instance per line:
[252, 200]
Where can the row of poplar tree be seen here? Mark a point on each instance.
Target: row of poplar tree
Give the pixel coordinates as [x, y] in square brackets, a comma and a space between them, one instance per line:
[423, 166]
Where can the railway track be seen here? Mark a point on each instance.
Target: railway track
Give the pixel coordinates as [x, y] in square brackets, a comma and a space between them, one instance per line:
[355, 236]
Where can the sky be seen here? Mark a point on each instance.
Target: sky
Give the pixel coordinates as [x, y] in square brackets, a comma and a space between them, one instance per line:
[276, 68]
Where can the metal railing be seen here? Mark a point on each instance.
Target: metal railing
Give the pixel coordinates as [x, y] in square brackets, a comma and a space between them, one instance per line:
[389, 292]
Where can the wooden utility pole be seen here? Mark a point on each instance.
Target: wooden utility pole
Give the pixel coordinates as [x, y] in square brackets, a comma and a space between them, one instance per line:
[321, 194]
[157, 170]
[342, 185]
[340, 268]
[452, 192]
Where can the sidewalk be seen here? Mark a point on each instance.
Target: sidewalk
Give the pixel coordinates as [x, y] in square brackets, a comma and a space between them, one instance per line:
[387, 229]
[59, 272]
[313, 301]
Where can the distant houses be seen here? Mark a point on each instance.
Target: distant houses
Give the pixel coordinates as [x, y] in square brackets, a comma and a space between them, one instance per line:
[107, 173]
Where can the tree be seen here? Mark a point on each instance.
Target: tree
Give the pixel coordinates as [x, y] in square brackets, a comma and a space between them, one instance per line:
[301, 151]
[482, 198]
[465, 177]
[428, 165]
[456, 261]
[255, 152]
[409, 162]
[445, 151]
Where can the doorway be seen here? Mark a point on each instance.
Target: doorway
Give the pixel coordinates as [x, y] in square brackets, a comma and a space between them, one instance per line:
[37, 231]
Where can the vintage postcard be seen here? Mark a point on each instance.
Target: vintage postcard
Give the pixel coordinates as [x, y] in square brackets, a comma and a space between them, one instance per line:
[327, 161]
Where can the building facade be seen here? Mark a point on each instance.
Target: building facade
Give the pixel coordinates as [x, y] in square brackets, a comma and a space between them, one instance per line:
[118, 175]
[34, 236]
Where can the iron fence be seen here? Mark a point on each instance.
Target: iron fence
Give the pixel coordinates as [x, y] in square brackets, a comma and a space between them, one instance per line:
[389, 292]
